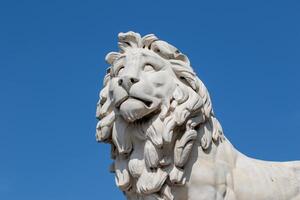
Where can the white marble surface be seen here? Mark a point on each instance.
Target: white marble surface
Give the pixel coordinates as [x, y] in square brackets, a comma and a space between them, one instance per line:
[166, 141]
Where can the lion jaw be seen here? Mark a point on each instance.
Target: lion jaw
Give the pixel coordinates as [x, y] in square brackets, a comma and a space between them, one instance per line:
[133, 109]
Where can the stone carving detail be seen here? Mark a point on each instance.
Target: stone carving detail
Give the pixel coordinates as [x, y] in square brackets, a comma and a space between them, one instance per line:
[165, 140]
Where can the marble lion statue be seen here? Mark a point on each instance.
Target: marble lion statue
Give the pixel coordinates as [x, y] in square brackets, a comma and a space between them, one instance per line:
[165, 139]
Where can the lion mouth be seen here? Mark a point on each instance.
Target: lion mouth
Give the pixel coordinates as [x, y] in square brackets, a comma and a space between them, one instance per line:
[134, 108]
[148, 103]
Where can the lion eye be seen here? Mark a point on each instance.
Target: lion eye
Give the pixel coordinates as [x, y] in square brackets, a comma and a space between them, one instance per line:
[148, 68]
[120, 70]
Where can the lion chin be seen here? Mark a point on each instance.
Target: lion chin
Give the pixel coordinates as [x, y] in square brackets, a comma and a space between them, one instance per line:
[134, 109]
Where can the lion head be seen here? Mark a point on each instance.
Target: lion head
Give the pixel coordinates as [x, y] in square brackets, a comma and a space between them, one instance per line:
[151, 109]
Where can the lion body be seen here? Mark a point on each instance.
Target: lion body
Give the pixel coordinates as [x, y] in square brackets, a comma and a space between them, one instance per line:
[230, 175]
[166, 141]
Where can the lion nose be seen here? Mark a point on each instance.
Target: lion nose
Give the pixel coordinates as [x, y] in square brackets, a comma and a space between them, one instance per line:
[126, 82]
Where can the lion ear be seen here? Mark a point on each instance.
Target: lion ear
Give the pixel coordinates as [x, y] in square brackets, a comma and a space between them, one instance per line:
[166, 50]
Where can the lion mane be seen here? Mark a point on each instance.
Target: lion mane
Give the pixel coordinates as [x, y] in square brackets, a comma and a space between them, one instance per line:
[150, 154]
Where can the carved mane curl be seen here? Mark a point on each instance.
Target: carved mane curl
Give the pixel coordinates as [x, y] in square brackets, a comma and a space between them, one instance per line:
[187, 117]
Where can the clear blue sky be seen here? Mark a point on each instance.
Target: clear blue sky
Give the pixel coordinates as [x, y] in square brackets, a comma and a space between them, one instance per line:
[52, 65]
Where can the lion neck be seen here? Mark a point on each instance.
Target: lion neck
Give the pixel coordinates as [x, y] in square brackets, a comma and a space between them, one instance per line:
[170, 166]
[207, 158]
[211, 143]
